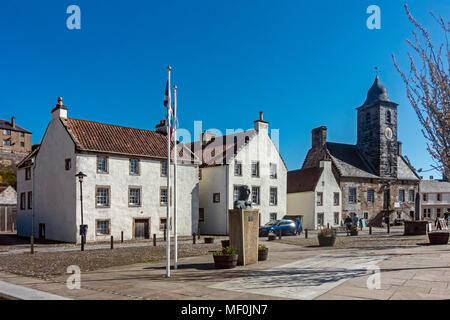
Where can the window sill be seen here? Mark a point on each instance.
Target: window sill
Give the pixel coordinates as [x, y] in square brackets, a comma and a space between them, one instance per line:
[102, 207]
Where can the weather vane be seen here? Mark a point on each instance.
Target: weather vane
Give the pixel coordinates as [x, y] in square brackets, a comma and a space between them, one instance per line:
[376, 70]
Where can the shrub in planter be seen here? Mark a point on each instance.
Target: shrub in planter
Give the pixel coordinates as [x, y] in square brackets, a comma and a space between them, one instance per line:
[326, 237]
[353, 231]
[438, 237]
[263, 251]
[209, 240]
[226, 258]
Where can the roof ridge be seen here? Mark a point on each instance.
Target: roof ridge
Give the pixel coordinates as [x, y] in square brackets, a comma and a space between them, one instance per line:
[114, 125]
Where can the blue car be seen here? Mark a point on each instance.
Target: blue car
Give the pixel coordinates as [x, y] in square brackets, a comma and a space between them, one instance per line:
[287, 227]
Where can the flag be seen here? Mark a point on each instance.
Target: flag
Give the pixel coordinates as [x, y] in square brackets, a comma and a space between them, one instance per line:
[167, 104]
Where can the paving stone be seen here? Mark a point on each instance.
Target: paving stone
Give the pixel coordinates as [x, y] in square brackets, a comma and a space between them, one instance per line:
[426, 284]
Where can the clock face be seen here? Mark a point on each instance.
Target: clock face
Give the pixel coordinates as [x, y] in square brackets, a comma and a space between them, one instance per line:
[388, 133]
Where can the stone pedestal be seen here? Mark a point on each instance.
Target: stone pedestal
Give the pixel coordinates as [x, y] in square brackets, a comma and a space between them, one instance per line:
[244, 233]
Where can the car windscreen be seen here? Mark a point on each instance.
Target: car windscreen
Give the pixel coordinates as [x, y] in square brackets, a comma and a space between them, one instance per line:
[270, 223]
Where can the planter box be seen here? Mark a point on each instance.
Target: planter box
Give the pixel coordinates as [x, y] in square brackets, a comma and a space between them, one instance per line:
[326, 241]
[225, 261]
[225, 243]
[262, 254]
[353, 232]
[438, 237]
[209, 240]
[415, 228]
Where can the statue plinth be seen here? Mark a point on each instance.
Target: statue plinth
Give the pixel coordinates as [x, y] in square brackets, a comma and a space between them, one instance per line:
[244, 234]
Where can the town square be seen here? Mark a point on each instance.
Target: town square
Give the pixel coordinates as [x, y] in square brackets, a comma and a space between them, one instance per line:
[224, 152]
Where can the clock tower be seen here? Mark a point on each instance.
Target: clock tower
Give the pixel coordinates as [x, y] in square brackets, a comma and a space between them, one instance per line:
[377, 131]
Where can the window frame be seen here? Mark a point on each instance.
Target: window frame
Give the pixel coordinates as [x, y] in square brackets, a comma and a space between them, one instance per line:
[28, 173]
[23, 201]
[319, 196]
[106, 164]
[271, 174]
[201, 214]
[338, 216]
[322, 215]
[139, 188]
[271, 203]
[355, 197]
[169, 196]
[30, 200]
[163, 164]
[161, 225]
[370, 195]
[67, 164]
[216, 197]
[138, 165]
[257, 175]
[258, 195]
[336, 203]
[237, 164]
[270, 216]
[108, 221]
[401, 195]
[97, 188]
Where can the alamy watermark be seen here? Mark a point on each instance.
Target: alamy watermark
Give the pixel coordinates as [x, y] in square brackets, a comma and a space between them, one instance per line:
[73, 282]
[74, 20]
[374, 20]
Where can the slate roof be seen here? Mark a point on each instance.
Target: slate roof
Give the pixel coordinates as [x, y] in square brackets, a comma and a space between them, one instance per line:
[27, 161]
[223, 148]
[5, 124]
[303, 180]
[377, 92]
[108, 138]
[349, 162]
[434, 186]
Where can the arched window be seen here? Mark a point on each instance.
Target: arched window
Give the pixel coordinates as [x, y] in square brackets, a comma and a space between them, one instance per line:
[368, 119]
[388, 116]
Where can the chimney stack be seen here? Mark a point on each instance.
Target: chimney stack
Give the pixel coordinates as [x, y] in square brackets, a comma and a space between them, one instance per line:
[161, 127]
[60, 111]
[261, 125]
[207, 136]
[13, 121]
[319, 137]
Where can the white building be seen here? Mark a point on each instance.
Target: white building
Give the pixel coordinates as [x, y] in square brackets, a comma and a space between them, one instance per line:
[125, 189]
[314, 195]
[245, 158]
[434, 198]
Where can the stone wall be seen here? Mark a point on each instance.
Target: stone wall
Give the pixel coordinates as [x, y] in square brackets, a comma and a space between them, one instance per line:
[9, 159]
[362, 205]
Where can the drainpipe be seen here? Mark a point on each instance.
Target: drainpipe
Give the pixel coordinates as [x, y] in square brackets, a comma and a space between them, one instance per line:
[227, 178]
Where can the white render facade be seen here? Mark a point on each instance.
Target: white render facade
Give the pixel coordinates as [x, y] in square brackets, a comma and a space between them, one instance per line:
[321, 206]
[57, 206]
[434, 199]
[219, 183]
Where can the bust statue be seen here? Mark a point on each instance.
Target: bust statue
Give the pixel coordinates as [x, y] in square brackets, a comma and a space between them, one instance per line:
[243, 202]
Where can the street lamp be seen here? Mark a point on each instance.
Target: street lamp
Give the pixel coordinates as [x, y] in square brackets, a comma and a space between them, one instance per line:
[83, 228]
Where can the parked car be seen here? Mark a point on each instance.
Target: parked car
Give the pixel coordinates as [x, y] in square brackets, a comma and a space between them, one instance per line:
[287, 227]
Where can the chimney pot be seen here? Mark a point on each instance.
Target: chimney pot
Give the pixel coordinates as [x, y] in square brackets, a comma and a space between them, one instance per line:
[261, 116]
[60, 101]
[13, 121]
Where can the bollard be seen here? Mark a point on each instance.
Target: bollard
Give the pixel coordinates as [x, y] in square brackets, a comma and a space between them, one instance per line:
[121, 236]
[360, 226]
[112, 242]
[279, 234]
[306, 233]
[165, 231]
[32, 244]
[154, 239]
[193, 238]
[82, 243]
[198, 236]
[370, 230]
[388, 228]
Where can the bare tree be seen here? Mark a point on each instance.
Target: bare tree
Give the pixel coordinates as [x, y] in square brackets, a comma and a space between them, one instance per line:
[427, 88]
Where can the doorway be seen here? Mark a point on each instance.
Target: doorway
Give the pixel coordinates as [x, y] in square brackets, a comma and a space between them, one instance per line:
[142, 228]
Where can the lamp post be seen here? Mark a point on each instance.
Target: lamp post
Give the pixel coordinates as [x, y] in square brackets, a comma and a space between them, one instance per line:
[83, 228]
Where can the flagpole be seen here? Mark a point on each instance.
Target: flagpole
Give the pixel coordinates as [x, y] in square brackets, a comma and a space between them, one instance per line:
[175, 156]
[168, 177]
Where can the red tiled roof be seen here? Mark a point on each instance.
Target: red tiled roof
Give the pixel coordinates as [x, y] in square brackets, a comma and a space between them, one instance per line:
[223, 147]
[303, 180]
[108, 138]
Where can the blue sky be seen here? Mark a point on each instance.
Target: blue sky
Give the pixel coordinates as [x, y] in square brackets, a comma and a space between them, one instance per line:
[304, 63]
